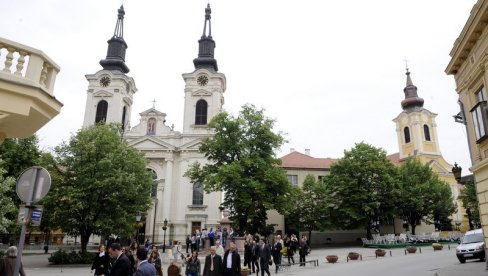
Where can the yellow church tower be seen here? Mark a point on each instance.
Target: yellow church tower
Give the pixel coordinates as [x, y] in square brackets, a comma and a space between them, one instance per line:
[417, 137]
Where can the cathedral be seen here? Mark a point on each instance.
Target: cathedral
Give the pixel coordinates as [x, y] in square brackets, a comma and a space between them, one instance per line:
[181, 207]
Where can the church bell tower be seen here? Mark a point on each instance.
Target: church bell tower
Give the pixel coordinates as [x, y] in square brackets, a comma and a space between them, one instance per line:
[110, 90]
[415, 126]
[204, 87]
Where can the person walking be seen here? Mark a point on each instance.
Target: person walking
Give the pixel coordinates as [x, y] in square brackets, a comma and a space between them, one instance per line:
[121, 265]
[188, 243]
[213, 264]
[276, 252]
[255, 257]
[155, 260]
[232, 261]
[211, 236]
[302, 251]
[264, 257]
[7, 264]
[247, 254]
[193, 265]
[101, 262]
[144, 268]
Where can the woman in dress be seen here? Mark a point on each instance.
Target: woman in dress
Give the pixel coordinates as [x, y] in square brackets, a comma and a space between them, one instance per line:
[101, 262]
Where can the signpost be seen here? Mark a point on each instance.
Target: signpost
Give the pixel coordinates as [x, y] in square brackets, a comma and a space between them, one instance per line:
[32, 186]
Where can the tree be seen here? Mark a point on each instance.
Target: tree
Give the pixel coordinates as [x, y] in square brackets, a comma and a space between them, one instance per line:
[243, 165]
[363, 188]
[470, 203]
[424, 197]
[19, 154]
[99, 184]
[309, 210]
[7, 206]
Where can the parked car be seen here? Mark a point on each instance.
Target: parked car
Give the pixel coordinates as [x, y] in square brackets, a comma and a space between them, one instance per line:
[472, 246]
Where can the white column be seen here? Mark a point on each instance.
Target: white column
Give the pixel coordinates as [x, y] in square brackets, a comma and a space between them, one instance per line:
[167, 190]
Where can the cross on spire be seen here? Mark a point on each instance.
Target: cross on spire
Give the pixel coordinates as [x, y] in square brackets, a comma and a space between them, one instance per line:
[154, 103]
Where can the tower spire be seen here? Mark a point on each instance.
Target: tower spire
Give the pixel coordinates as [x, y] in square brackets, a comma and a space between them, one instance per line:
[412, 100]
[206, 46]
[115, 59]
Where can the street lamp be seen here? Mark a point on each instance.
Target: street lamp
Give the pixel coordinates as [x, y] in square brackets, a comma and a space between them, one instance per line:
[165, 226]
[138, 224]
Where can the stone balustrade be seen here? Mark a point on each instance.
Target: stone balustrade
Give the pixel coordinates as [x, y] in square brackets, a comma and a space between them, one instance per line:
[40, 70]
[27, 101]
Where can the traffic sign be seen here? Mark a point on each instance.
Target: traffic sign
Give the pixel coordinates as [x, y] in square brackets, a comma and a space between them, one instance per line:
[33, 184]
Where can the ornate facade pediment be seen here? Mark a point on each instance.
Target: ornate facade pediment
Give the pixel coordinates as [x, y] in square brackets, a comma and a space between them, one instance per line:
[151, 143]
[201, 93]
[103, 94]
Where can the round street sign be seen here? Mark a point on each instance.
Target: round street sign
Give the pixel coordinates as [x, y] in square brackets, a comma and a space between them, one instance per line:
[33, 184]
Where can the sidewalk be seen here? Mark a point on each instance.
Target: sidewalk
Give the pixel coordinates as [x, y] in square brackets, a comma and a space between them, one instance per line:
[471, 268]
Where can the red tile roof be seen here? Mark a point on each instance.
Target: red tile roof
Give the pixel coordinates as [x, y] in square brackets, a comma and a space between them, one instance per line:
[299, 160]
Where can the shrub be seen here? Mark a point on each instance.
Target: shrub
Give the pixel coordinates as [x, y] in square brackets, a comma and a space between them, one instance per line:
[73, 257]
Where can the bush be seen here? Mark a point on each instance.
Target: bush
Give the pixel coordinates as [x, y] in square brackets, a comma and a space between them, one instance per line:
[73, 257]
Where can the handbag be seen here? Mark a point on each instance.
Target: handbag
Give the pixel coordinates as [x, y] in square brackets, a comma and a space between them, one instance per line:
[270, 262]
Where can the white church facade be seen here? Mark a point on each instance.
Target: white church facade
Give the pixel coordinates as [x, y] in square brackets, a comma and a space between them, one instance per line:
[183, 205]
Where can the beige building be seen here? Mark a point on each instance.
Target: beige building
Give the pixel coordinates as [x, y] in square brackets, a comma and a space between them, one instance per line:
[468, 65]
[27, 80]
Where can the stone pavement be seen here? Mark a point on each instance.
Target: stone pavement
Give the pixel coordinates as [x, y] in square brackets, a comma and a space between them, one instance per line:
[37, 264]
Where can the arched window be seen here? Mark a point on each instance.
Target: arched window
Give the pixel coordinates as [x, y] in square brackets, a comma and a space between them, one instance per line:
[197, 194]
[426, 133]
[201, 113]
[101, 115]
[124, 111]
[406, 133]
[151, 126]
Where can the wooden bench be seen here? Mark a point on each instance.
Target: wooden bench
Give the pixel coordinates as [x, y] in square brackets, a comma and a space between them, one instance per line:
[282, 267]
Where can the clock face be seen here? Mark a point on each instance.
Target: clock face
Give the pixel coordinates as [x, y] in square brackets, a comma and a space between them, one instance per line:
[202, 80]
[105, 81]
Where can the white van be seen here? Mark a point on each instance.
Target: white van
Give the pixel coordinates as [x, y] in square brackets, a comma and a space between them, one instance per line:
[472, 246]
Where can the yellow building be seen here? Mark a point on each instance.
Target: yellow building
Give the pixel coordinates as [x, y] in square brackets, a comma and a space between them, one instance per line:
[468, 65]
[27, 80]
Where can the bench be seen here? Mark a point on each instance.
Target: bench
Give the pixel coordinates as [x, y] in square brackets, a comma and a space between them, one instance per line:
[282, 267]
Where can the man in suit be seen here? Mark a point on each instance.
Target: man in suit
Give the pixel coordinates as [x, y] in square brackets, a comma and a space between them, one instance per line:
[213, 264]
[144, 268]
[264, 257]
[121, 265]
[232, 261]
[277, 246]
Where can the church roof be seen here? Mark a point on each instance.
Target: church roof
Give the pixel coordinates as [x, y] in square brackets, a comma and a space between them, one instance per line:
[115, 59]
[412, 100]
[299, 160]
[394, 158]
[206, 47]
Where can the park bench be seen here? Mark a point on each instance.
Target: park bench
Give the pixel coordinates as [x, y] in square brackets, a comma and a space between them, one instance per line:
[282, 267]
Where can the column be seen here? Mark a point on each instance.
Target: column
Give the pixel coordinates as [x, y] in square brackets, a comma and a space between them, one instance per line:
[167, 190]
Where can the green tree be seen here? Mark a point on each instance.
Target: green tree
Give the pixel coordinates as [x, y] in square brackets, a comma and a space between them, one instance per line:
[470, 202]
[424, 197]
[363, 188]
[243, 165]
[309, 211]
[19, 154]
[99, 184]
[7, 206]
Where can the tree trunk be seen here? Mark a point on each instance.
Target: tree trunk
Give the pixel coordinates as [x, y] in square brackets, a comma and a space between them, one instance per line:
[84, 237]
[309, 237]
[413, 223]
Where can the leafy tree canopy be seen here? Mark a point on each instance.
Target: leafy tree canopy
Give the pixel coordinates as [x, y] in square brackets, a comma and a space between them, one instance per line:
[470, 203]
[243, 165]
[99, 184]
[363, 186]
[423, 195]
[8, 210]
[19, 154]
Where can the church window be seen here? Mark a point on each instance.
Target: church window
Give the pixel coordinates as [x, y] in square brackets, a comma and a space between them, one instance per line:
[124, 112]
[293, 179]
[151, 126]
[406, 133]
[201, 113]
[197, 194]
[480, 116]
[101, 115]
[426, 133]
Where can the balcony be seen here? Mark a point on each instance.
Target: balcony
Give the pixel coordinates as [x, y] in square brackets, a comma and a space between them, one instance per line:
[27, 78]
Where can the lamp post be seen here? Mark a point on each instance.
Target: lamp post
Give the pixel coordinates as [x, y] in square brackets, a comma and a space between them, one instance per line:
[165, 226]
[138, 224]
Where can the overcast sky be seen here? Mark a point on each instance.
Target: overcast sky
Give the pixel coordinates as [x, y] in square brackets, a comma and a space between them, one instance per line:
[331, 73]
